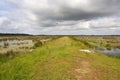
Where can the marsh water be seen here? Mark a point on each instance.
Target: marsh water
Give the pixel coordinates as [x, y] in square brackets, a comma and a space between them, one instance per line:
[18, 45]
[104, 50]
[16, 42]
[15, 45]
[112, 52]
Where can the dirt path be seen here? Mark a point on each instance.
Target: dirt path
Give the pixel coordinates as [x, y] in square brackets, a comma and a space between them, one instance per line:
[85, 72]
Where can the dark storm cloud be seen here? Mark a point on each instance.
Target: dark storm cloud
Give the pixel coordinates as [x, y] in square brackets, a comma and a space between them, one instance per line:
[72, 9]
[66, 11]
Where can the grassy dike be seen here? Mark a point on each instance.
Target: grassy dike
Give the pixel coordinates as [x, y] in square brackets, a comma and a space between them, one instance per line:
[61, 59]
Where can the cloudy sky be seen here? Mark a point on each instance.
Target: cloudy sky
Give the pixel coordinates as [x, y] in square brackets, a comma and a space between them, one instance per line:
[66, 17]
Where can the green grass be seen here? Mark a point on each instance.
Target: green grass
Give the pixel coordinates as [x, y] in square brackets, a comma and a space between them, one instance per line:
[57, 60]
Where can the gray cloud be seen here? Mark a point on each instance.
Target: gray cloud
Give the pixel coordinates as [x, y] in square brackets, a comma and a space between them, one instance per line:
[57, 11]
[46, 16]
[65, 10]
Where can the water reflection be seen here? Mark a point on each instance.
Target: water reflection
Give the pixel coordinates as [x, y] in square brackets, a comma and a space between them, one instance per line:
[16, 45]
[16, 42]
[112, 52]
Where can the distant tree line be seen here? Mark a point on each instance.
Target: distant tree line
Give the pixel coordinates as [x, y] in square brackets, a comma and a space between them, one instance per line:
[13, 34]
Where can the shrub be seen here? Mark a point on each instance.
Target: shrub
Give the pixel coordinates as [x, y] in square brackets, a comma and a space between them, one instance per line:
[6, 45]
[37, 44]
[108, 46]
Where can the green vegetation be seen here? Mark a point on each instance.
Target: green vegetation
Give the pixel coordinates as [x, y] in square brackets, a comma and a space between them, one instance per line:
[61, 59]
[37, 44]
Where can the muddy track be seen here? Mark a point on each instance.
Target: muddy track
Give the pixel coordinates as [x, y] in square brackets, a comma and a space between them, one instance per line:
[84, 71]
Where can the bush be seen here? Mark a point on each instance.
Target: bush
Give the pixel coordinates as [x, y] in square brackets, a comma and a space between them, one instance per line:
[6, 45]
[38, 44]
[108, 46]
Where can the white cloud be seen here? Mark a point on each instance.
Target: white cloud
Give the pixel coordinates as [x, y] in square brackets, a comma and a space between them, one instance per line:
[2, 20]
[106, 22]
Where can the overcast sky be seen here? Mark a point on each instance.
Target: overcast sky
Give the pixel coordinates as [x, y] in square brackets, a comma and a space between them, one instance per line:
[66, 17]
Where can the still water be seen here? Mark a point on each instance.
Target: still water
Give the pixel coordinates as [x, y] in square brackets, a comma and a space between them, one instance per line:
[16, 42]
[112, 52]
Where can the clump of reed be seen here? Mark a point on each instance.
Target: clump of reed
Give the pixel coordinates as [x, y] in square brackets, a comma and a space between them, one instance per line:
[7, 56]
